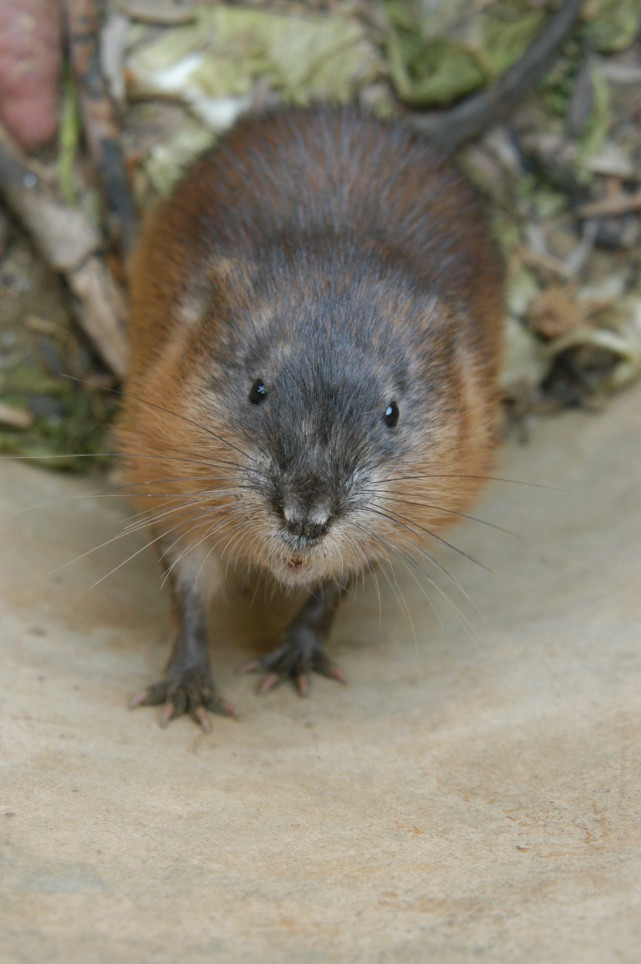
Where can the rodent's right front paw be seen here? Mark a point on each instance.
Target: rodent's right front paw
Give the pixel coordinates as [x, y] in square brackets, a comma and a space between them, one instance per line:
[190, 691]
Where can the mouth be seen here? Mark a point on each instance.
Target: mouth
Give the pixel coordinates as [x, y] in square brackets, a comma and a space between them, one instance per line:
[297, 569]
[298, 554]
[300, 559]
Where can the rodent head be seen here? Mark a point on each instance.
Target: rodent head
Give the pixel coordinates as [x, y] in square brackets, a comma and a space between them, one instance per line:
[321, 421]
[338, 405]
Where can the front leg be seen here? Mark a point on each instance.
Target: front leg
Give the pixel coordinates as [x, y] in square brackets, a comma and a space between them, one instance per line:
[188, 686]
[303, 648]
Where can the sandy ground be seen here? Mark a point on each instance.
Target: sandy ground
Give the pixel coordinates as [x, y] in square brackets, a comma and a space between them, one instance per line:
[474, 793]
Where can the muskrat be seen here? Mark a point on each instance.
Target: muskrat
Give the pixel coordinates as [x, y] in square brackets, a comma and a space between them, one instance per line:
[315, 348]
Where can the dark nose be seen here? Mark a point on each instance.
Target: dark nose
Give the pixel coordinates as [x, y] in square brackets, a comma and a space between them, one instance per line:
[309, 526]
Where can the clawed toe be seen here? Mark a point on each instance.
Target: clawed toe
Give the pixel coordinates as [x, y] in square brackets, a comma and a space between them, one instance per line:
[294, 661]
[191, 693]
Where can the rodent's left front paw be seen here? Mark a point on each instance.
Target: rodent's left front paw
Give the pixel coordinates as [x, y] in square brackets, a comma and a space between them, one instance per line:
[302, 653]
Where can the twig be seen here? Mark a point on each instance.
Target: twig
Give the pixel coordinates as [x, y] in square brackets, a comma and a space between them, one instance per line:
[153, 11]
[612, 206]
[478, 113]
[101, 128]
[71, 245]
[15, 417]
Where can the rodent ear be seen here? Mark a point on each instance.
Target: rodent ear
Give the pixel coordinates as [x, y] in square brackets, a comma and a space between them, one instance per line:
[226, 270]
[231, 279]
[222, 277]
[222, 268]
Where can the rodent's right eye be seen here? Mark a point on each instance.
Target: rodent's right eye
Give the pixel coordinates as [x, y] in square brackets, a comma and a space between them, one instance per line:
[258, 392]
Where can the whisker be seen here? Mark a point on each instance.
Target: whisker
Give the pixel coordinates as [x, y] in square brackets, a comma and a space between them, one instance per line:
[119, 494]
[438, 508]
[144, 523]
[140, 456]
[145, 483]
[378, 591]
[207, 556]
[398, 593]
[371, 569]
[108, 542]
[169, 411]
[214, 527]
[412, 527]
[163, 535]
[213, 493]
[388, 550]
[465, 621]
[455, 475]
[407, 560]
[446, 572]
[169, 569]
[382, 562]
[242, 527]
[190, 548]
[422, 588]
[457, 583]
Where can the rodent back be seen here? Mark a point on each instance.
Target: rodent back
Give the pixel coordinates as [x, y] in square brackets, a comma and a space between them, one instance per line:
[331, 174]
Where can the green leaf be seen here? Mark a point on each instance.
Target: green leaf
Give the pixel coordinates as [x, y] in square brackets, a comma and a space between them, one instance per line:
[613, 24]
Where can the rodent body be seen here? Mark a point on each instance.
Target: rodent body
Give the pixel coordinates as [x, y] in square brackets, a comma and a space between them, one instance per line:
[315, 348]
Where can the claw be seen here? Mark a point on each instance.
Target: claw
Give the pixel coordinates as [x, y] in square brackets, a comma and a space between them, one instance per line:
[269, 683]
[166, 715]
[335, 673]
[228, 709]
[295, 662]
[251, 667]
[201, 716]
[191, 693]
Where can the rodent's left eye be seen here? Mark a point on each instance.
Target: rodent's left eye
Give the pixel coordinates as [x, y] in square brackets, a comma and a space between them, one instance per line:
[258, 392]
[391, 415]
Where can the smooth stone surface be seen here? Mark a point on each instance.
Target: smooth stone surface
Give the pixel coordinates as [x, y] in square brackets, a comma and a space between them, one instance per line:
[474, 793]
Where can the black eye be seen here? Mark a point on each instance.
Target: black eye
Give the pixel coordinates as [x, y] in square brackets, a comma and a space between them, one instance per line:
[258, 392]
[391, 415]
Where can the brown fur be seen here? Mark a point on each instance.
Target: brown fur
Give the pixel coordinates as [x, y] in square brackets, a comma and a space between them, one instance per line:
[302, 229]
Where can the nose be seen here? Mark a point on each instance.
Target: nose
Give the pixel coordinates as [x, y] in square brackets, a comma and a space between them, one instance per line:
[309, 526]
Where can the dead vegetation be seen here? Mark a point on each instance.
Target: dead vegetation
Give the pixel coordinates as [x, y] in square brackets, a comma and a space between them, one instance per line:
[151, 84]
